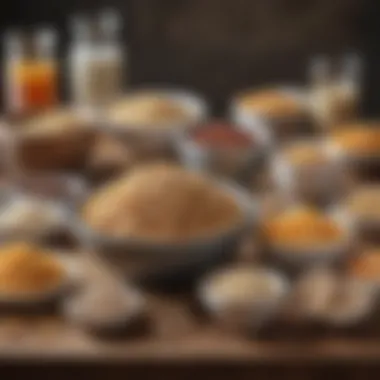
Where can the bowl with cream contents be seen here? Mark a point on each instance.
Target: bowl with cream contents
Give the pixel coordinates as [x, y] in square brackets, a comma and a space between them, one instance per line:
[152, 119]
[167, 216]
[359, 143]
[302, 236]
[243, 298]
[310, 170]
[282, 110]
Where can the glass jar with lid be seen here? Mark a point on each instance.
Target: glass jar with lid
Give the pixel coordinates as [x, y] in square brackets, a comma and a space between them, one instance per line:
[96, 60]
[31, 72]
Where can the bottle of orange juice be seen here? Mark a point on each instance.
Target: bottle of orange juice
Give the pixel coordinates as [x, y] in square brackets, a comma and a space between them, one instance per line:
[31, 73]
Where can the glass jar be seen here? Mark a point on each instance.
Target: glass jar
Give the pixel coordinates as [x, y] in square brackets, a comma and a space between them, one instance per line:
[95, 60]
[335, 90]
[31, 72]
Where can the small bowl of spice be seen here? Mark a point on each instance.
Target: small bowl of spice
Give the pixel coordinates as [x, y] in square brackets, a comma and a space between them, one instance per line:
[366, 267]
[302, 236]
[282, 110]
[106, 309]
[359, 144]
[310, 171]
[149, 120]
[361, 206]
[243, 298]
[31, 277]
[221, 148]
[332, 299]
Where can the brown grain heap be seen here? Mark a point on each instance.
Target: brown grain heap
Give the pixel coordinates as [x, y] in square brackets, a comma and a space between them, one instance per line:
[162, 203]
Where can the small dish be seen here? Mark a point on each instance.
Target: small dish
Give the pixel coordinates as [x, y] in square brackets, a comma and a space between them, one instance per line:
[105, 309]
[317, 251]
[360, 205]
[359, 145]
[35, 207]
[243, 298]
[152, 138]
[237, 161]
[331, 298]
[309, 170]
[283, 111]
[57, 139]
[25, 300]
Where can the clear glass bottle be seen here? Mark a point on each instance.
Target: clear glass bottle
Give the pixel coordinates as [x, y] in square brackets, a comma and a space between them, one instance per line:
[335, 90]
[31, 71]
[96, 60]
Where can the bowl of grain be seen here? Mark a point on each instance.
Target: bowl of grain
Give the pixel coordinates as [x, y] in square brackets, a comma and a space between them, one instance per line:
[150, 120]
[55, 139]
[359, 144]
[309, 170]
[283, 110]
[360, 205]
[31, 277]
[301, 236]
[167, 218]
[243, 298]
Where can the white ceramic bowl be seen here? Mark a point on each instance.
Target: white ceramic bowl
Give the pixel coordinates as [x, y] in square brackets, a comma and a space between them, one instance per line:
[311, 183]
[279, 129]
[302, 257]
[255, 311]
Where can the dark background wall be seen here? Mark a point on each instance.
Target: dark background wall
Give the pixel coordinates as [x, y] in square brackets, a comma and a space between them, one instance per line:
[220, 46]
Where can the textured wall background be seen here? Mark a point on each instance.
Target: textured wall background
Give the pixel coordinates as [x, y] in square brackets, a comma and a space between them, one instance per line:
[218, 46]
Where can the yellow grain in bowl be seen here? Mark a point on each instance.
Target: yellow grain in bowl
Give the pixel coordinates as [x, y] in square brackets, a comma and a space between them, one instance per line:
[271, 103]
[358, 139]
[162, 203]
[302, 227]
[27, 270]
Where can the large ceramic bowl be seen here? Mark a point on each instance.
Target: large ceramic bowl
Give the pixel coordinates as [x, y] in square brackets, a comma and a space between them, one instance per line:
[181, 262]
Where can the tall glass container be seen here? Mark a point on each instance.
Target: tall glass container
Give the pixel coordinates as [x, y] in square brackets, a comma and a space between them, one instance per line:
[96, 60]
[31, 72]
[335, 90]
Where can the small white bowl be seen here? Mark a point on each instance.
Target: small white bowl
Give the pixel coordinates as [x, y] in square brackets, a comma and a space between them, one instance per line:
[248, 315]
[239, 164]
[278, 128]
[311, 183]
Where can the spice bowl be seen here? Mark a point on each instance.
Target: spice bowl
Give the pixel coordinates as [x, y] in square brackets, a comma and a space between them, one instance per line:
[243, 298]
[224, 150]
[41, 301]
[160, 263]
[311, 171]
[297, 257]
[58, 139]
[293, 119]
[152, 136]
[123, 316]
[360, 206]
[36, 206]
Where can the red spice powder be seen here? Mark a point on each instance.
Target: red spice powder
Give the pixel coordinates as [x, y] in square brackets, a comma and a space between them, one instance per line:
[221, 135]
